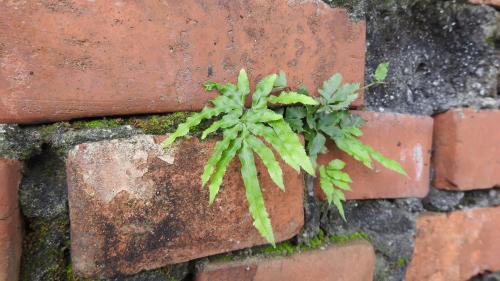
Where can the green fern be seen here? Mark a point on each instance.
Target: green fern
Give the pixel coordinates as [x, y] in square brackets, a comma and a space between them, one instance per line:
[243, 132]
[331, 118]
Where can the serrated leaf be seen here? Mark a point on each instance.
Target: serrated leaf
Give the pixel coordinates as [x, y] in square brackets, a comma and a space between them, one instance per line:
[262, 90]
[221, 167]
[336, 164]
[297, 112]
[292, 143]
[339, 175]
[272, 138]
[261, 115]
[281, 80]
[220, 147]
[381, 72]
[191, 121]
[354, 148]
[292, 98]
[254, 195]
[243, 86]
[330, 86]
[325, 184]
[267, 156]
[388, 163]
[316, 146]
[227, 121]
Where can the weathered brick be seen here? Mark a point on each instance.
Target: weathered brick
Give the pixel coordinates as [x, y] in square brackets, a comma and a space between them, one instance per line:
[11, 233]
[456, 246]
[134, 206]
[332, 263]
[486, 2]
[402, 137]
[69, 59]
[466, 149]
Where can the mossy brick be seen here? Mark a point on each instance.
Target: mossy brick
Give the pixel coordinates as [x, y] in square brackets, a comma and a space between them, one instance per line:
[134, 206]
[129, 57]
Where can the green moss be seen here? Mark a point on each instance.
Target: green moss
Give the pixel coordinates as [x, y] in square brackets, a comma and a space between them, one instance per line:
[98, 123]
[71, 277]
[159, 124]
[401, 262]
[349, 237]
[288, 248]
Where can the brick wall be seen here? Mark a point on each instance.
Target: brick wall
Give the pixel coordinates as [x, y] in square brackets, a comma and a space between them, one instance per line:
[98, 199]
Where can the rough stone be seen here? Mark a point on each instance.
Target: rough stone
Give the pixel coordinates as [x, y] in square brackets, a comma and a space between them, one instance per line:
[442, 200]
[456, 246]
[119, 58]
[134, 206]
[466, 149]
[11, 231]
[333, 263]
[404, 138]
[441, 53]
[389, 225]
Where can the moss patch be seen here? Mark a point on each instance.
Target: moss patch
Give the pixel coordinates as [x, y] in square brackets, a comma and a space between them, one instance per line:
[288, 248]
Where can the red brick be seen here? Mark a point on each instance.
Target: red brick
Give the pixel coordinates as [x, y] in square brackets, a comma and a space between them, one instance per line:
[11, 234]
[331, 264]
[70, 59]
[467, 149]
[456, 246]
[134, 206]
[486, 2]
[402, 137]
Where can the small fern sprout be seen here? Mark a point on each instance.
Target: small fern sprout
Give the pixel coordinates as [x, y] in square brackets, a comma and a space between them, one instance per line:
[332, 119]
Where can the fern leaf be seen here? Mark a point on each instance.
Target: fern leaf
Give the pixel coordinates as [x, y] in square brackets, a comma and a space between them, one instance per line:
[330, 86]
[325, 184]
[292, 143]
[291, 98]
[267, 156]
[354, 148]
[386, 162]
[261, 116]
[193, 120]
[316, 146]
[220, 147]
[272, 138]
[227, 121]
[220, 169]
[262, 90]
[243, 86]
[254, 194]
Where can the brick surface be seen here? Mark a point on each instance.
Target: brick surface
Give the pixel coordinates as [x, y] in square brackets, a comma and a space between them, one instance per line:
[10, 220]
[487, 2]
[335, 263]
[456, 246]
[134, 206]
[467, 149]
[402, 137]
[68, 59]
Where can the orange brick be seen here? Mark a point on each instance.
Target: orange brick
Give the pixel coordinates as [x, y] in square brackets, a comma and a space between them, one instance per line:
[11, 234]
[81, 58]
[456, 246]
[331, 264]
[134, 206]
[486, 2]
[402, 137]
[467, 149]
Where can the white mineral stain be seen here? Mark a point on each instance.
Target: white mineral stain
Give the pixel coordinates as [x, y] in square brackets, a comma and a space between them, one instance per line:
[418, 157]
